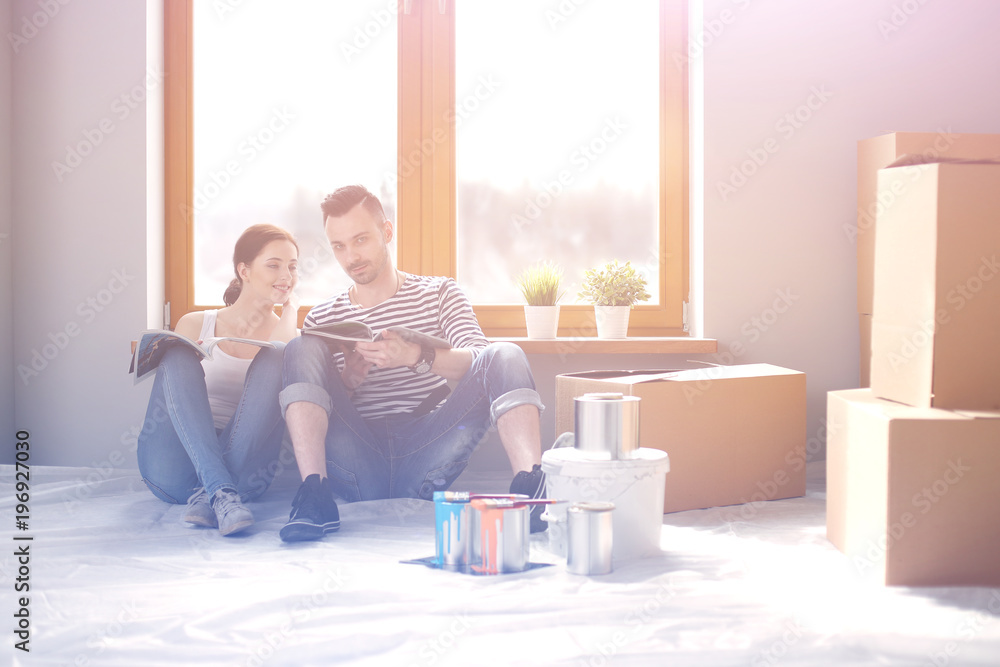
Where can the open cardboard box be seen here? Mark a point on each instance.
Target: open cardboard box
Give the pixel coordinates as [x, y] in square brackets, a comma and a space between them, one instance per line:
[935, 340]
[734, 434]
[912, 493]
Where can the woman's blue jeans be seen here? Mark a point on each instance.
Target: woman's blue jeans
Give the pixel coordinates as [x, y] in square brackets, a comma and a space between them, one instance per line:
[179, 448]
[403, 456]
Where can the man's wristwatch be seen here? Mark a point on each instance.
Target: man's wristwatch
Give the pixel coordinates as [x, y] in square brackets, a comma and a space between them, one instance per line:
[425, 361]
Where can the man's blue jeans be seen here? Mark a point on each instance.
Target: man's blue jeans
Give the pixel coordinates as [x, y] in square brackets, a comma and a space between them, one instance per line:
[179, 448]
[402, 456]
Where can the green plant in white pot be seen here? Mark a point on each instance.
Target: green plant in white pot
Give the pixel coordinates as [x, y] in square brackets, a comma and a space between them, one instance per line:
[613, 289]
[539, 285]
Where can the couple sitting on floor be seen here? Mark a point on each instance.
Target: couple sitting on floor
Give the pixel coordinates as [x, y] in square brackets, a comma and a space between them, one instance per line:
[365, 420]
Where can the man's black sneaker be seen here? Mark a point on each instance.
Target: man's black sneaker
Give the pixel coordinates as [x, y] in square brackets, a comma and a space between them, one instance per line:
[532, 484]
[314, 512]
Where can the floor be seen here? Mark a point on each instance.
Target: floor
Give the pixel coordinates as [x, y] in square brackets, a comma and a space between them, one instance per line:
[117, 579]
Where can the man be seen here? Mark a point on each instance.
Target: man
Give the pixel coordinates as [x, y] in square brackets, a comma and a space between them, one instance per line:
[367, 421]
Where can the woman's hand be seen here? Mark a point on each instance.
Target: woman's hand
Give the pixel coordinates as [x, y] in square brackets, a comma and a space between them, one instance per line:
[287, 327]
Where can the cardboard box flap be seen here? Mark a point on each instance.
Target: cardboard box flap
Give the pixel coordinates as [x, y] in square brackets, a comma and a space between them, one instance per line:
[978, 414]
[714, 372]
[864, 399]
[910, 159]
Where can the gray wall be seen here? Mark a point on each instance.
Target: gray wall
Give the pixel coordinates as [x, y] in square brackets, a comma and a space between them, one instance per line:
[79, 241]
[782, 231]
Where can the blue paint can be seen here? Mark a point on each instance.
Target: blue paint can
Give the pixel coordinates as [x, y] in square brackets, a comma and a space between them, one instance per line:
[451, 519]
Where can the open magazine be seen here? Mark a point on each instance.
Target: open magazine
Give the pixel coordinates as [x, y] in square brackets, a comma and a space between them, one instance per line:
[154, 342]
[353, 331]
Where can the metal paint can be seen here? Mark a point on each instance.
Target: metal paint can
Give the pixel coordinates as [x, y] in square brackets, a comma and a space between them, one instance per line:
[590, 539]
[607, 424]
[499, 530]
[451, 518]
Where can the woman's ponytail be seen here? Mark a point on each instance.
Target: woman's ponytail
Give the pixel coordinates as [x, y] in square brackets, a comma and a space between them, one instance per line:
[232, 292]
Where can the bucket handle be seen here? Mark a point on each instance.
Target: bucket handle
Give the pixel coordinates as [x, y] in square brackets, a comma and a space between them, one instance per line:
[567, 439]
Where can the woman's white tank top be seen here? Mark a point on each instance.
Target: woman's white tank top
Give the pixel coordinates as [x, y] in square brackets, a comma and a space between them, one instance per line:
[224, 376]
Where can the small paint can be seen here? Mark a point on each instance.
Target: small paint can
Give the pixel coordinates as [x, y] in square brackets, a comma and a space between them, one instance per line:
[606, 425]
[451, 518]
[589, 535]
[499, 531]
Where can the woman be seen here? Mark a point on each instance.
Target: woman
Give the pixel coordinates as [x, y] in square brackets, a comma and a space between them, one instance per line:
[212, 427]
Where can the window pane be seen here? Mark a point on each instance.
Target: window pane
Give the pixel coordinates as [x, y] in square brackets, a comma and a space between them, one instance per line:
[291, 100]
[557, 140]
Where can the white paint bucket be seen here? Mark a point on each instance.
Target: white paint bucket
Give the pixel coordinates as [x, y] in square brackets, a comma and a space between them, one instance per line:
[634, 485]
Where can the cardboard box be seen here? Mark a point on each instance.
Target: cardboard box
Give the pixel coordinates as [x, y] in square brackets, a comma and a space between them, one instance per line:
[912, 494]
[936, 326]
[879, 152]
[734, 434]
[865, 335]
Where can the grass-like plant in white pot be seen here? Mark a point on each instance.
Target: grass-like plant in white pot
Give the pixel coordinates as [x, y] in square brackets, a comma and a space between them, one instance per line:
[613, 289]
[539, 285]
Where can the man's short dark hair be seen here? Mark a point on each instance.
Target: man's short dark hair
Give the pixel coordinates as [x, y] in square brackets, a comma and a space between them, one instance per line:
[344, 199]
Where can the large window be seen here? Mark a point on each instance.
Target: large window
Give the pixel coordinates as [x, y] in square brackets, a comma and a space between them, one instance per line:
[556, 155]
[497, 134]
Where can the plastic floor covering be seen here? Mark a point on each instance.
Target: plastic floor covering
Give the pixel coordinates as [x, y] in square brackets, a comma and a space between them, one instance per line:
[117, 579]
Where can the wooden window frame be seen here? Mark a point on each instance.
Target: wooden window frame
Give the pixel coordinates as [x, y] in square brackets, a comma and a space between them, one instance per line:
[426, 227]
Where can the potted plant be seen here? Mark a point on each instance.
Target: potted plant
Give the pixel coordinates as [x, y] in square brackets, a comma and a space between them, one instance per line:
[539, 285]
[613, 289]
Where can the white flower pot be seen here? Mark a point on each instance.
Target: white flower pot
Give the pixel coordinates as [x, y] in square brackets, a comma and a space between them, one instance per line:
[542, 321]
[612, 321]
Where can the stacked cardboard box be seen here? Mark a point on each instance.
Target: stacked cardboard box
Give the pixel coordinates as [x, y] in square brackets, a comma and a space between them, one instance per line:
[875, 154]
[912, 461]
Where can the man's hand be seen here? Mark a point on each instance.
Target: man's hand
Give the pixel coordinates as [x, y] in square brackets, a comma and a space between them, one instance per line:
[390, 351]
[355, 369]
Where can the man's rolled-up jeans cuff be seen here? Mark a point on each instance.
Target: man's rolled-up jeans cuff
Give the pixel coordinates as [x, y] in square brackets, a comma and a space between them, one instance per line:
[304, 391]
[512, 399]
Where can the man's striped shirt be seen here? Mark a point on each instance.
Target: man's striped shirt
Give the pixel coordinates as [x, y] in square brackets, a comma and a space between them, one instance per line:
[431, 304]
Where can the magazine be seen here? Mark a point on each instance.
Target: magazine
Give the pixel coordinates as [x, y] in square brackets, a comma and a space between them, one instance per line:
[354, 331]
[154, 342]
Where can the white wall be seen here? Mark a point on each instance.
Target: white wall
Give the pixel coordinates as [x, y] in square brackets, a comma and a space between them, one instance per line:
[7, 428]
[79, 243]
[884, 65]
[783, 231]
